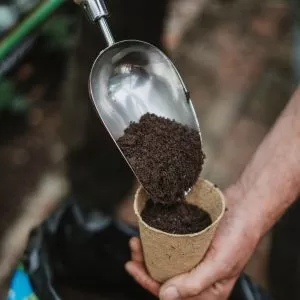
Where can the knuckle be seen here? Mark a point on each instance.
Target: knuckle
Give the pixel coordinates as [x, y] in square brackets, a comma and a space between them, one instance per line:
[218, 289]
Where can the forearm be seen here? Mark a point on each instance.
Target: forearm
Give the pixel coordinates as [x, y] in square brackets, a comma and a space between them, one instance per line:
[271, 181]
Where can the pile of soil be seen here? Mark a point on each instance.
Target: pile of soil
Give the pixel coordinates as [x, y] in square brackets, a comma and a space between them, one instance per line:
[180, 218]
[167, 158]
[165, 155]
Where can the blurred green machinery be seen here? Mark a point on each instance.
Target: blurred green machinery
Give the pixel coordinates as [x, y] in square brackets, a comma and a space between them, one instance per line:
[29, 19]
[30, 23]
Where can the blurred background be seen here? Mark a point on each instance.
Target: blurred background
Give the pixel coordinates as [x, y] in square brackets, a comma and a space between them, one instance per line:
[234, 55]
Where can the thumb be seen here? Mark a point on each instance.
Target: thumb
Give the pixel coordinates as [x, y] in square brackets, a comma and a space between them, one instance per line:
[192, 283]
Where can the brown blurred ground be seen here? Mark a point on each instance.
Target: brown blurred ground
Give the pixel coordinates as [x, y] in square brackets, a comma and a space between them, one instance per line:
[235, 59]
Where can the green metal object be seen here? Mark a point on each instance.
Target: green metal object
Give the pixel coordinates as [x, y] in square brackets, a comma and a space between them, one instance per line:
[29, 24]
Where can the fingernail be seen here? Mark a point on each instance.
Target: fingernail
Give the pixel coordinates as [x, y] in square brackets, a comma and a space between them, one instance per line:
[171, 293]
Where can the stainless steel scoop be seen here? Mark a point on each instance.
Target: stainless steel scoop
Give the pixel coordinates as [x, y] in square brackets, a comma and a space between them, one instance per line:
[130, 78]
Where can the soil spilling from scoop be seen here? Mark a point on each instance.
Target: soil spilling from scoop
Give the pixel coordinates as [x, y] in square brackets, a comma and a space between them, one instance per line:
[167, 158]
[165, 155]
[179, 218]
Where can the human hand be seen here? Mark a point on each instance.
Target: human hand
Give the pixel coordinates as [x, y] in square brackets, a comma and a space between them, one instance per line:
[214, 278]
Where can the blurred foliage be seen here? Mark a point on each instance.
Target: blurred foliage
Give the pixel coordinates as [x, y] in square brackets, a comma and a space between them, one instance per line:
[57, 32]
[10, 98]
[57, 37]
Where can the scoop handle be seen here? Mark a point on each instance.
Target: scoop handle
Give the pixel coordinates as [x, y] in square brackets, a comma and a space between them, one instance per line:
[97, 12]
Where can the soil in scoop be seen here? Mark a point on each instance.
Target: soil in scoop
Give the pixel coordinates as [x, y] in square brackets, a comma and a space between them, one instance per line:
[166, 156]
[180, 218]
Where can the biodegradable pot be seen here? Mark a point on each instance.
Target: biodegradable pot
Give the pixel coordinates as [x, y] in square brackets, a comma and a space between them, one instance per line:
[166, 254]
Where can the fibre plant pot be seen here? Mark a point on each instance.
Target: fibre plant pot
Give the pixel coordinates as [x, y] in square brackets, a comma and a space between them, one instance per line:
[167, 255]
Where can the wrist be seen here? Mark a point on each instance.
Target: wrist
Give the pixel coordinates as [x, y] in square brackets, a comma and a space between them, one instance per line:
[261, 202]
[241, 210]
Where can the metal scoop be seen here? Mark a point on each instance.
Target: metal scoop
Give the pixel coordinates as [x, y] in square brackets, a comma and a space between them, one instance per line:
[131, 78]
